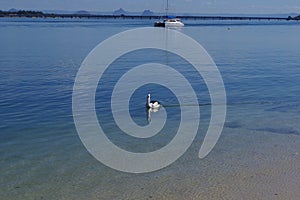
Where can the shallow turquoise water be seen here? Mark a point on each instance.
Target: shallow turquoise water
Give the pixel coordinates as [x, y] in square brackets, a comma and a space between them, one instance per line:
[41, 153]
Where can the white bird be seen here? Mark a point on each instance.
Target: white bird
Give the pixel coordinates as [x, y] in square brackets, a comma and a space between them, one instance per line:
[152, 104]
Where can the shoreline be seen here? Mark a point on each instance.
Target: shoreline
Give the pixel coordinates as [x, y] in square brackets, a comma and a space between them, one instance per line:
[39, 14]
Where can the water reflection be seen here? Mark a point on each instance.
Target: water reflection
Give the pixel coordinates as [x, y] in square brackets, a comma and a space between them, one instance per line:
[148, 111]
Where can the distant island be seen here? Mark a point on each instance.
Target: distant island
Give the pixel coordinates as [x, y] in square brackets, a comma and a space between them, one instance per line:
[120, 13]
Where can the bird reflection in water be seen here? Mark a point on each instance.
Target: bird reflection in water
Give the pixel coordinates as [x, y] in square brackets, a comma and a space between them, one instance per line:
[149, 111]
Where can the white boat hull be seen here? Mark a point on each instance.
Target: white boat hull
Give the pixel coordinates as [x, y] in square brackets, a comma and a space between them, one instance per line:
[170, 23]
[174, 24]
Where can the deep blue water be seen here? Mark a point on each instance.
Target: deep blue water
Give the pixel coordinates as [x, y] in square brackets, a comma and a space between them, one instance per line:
[39, 59]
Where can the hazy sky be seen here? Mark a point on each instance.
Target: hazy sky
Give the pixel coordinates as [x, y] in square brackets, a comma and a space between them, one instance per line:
[179, 6]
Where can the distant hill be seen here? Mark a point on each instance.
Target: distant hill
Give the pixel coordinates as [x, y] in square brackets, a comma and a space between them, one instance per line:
[22, 13]
[148, 13]
[297, 18]
[13, 10]
[82, 12]
[120, 12]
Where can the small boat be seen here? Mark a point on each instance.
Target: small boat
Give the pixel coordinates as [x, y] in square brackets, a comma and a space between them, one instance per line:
[169, 22]
[159, 24]
[176, 22]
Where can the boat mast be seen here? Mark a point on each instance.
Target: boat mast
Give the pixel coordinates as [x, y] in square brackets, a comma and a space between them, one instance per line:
[167, 8]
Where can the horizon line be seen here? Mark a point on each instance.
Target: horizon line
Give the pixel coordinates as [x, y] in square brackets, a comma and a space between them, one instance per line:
[154, 12]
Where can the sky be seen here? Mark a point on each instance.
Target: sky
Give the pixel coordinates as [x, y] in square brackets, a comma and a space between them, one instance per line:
[175, 6]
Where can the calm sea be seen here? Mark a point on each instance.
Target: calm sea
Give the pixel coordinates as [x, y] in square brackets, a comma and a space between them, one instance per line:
[41, 155]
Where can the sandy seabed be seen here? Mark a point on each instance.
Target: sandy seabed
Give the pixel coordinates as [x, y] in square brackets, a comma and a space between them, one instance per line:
[271, 170]
[245, 164]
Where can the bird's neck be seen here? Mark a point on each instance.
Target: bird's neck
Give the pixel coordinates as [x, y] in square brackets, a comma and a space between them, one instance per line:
[148, 101]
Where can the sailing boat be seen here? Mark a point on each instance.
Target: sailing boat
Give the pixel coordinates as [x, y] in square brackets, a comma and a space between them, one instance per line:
[169, 21]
